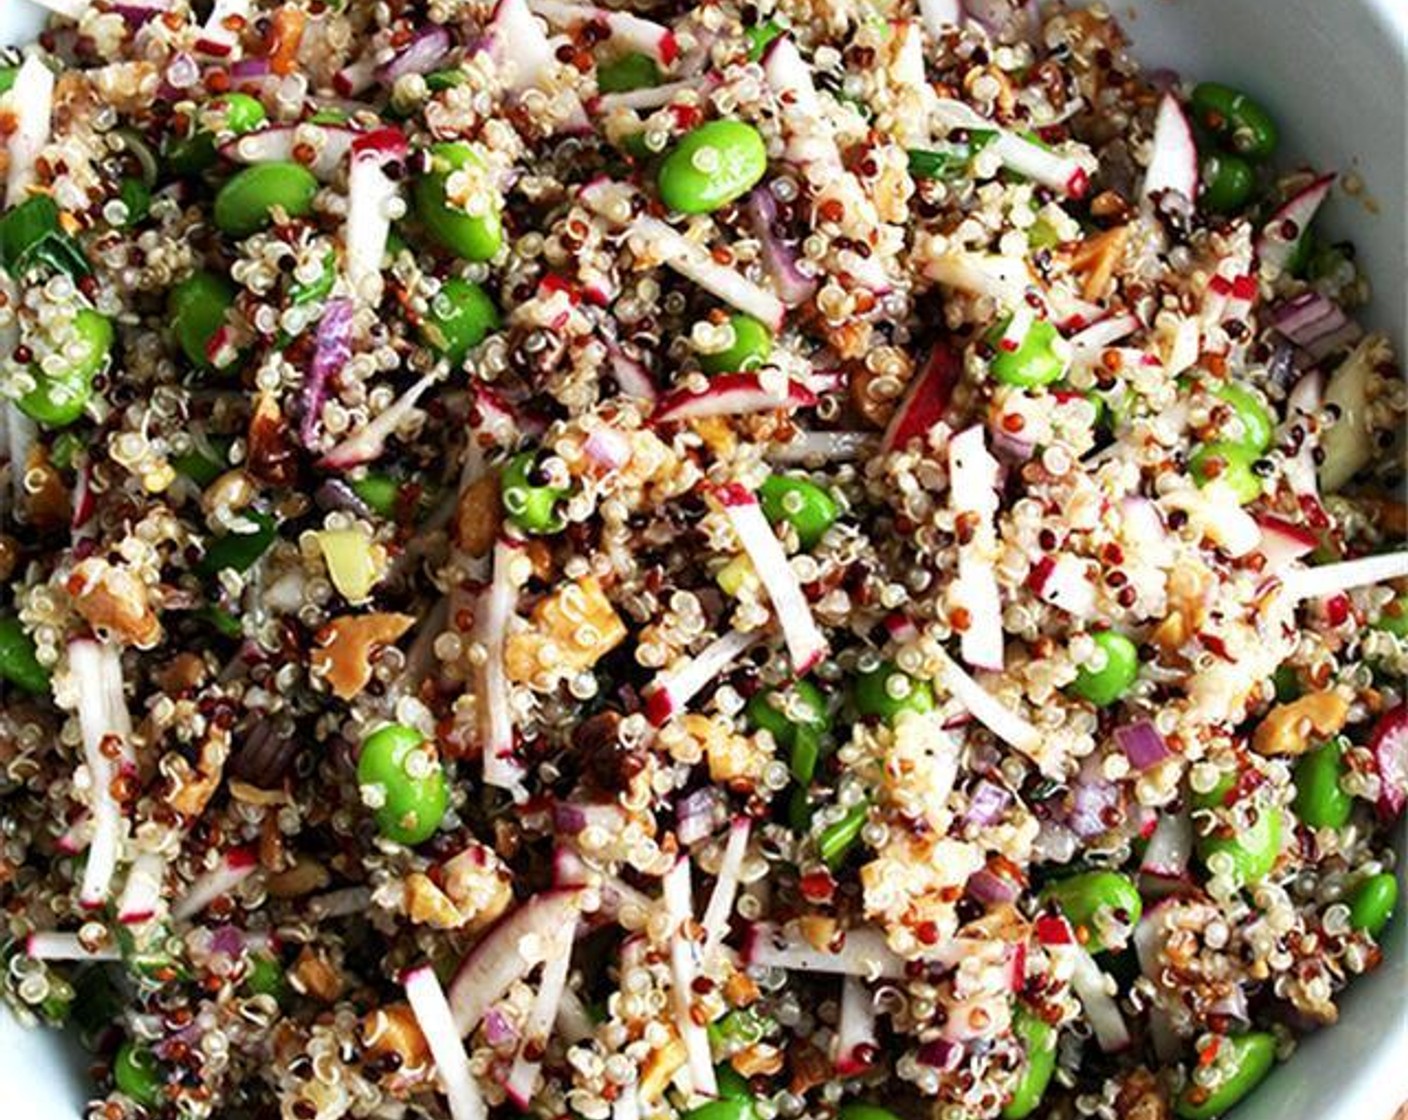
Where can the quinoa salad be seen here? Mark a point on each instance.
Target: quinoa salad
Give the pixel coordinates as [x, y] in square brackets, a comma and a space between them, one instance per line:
[727, 561]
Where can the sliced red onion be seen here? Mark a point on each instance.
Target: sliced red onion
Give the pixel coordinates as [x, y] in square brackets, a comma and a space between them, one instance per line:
[496, 608]
[806, 645]
[371, 193]
[697, 814]
[498, 959]
[32, 105]
[1006, 724]
[607, 448]
[1091, 799]
[986, 803]
[683, 969]
[332, 349]
[367, 444]
[437, 1023]
[926, 400]
[426, 50]
[1173, 165]
[720, 906]
[940, 1053]
[141, 894]
[1389, 744]
[102, 717]
[732, 394]
[234, 867]
[1282, 233]
[672, 690]
[137, 15]
[1331, 579]
[523, 1076]
[793, 286]
[857, 1043]
[1142, 744]
[900, 627]
[1307, 318]
[1282, 543]
[1101, 1010]
[573, 817]
[52, 945]
[991, 889]
[627, 31]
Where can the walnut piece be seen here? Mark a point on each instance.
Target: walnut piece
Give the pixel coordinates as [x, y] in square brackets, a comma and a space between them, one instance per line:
[572, 629]
[111, 598]
[1287, 728]
[346, 646]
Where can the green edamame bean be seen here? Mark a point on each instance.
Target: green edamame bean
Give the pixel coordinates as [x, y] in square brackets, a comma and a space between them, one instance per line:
[241, 112]
[58, 399]
[7, 77]
[1230, 462]
[838, 838]
[437, 81]
[715, 164]
[1107, 684]
[381, 492]
[412, 791]
[1234, 118]
[1034, 362]
[1320, 802]
[1243, 1060]
[239, 551]
[1038, 1038]
[265, 977]
[475, 237]
[629, 71]
[191, 155]
[18, 663]
[461, 316]
[799, 728]
[1226, 182]
[752, 343]
[1371, 903]
[246, 203]
[804, 505]
[1394, 618]
[1253, 851]
[886, 691]
[533, 507]
[864, 1110]
[741, 1025]
[759, 37]
[1286, 682]
[197, 307]
[725, 1108]
[136, 1074]
[1257, 427]
[1083, 898]
[733, 1086]
[136, 198]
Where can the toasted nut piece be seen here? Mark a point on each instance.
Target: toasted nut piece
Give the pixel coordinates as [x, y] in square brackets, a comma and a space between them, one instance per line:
[112, 598]
[193, 787]
[716, 432]
[876, 409]
[1287, 728]
[819, 931]
[314, 975]
[658, 1068]
[760, 1058]
[478, 515]
[1097, 258]
[427, 904]
[346, 645]
[394, 1030]
[304, 877]
[577, 621]
[740, 990]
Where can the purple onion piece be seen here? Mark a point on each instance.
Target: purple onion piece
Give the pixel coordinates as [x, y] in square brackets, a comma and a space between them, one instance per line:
[1142, 744]
[1091, 796]
[426, 50]
[990, 888]
[498, 1028]
[332, 347]
[334, 494]
[779, 259]
[941, 1053]
[568, 818]
[987, 803]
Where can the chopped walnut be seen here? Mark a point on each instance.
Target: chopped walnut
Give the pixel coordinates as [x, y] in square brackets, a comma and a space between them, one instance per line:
[427, 904]
[478, 515]
[573, 628]
[659, 1068]
[1096, 257]
[1142, 1097]
[393, 1030]
[346, 646]
[304, 877]
[113, 599]
[192, 787]
[314, 975]
[1286, 729]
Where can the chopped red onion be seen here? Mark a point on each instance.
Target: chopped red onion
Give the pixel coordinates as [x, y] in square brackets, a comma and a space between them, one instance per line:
[498, 1028]
[426, 50]
[779, 258]
[1142, 744]
[697, 815]
[940, 1053]
[986, 803]
[332, 349]
[990, 888]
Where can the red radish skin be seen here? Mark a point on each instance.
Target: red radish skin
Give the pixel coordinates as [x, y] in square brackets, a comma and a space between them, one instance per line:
[731, 394]
[1278, 239]
[927, 400]
[1389, 743]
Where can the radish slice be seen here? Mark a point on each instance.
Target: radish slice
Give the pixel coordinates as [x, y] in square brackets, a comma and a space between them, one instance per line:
[1001, 720]
[650, 97]
[371, 194]
[141, 894]
[1173, 165]
[496, 609]
[499, 959]
[940, 15]
[732, 394]
[216, 38]
[1217, 511]
[523, 1077]
[670, 691]
[1003, 279]
[31, 101]
[437, 1024]
[1277, 242]
[277, 143]
[1087, 345]
[574, 1021]
[863, 952]
[517, 44]
[926, 400]
[973, 479]
[1065, 584]
[234, 868]
[679, 907]
[51, 945]
[806, 644]
[1330, 579]
[71, 9]
[102, 716]
[367, 443]
[1389, 744]
[626, 31]
[720, 905]
[355, 78]
[856, 1041]
[826, 447]
[1164, 868]
[1103, 1013]
[1064, 174]
[1283, 543]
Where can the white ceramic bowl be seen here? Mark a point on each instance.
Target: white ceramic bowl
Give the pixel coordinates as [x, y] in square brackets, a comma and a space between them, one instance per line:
[1335, 72]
